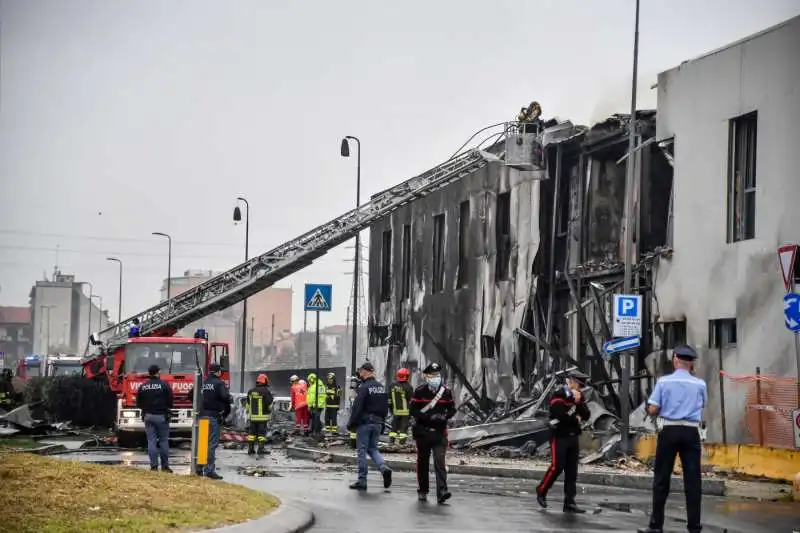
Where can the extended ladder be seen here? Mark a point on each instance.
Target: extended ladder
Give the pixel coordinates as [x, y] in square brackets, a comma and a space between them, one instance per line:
[261, 272]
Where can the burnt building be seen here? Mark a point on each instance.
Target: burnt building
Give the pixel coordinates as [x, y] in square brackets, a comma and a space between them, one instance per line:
[508, 273]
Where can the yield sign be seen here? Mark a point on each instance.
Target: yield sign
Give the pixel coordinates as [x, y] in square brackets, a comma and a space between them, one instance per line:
[787, 255]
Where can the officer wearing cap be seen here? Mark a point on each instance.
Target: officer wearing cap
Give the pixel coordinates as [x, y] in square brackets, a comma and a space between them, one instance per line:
[370, 409]
[678, 399]
[154, 398]
[216, 407]
[431, 406]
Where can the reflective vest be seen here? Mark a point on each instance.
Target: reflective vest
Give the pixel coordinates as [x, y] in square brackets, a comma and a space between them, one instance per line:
[256, 408]
[312, 395]
[298, 396]
[399, 400]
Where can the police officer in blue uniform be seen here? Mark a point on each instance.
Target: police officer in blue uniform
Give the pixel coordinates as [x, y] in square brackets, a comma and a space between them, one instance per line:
[216, 407]
[370, 409]
[678, 399]
[154, 398]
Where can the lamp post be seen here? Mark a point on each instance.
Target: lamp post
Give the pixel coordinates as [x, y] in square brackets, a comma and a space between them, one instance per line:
[100, 311]
[169, 259]
[119, 305]
[357, 270]
[237, 217]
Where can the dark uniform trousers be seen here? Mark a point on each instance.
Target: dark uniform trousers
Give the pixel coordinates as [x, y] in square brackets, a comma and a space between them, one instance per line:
[431, 442]
[683, 441]
[400, 426]
[331, 417]
[258, 431]
[564, 453]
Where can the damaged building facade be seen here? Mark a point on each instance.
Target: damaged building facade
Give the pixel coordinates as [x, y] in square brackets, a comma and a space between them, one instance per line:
[508, 275]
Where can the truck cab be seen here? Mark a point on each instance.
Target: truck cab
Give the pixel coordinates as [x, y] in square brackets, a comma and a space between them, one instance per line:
[61, 365]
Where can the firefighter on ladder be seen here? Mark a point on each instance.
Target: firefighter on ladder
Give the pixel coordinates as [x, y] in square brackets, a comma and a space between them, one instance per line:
[333, 402]
[259, 410]
[399, 396]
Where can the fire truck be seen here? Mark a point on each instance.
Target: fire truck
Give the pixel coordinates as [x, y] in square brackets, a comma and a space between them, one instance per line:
[30, 367]
[61, 365]
[125, 367]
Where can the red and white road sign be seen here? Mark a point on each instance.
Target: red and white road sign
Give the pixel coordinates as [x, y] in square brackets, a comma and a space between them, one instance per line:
[787, 255]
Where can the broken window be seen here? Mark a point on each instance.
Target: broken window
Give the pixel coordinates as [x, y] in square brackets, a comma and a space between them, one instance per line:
[722, 333]
[674, 333]
[742, 135]
[386, 266]
[406, 289]
[437, 283]
[463, 240]
[503, 233]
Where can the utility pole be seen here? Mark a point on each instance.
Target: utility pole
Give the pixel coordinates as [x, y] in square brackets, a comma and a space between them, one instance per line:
[629, 189]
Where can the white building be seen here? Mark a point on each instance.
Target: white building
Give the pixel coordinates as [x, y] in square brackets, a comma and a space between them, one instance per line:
[734, 115]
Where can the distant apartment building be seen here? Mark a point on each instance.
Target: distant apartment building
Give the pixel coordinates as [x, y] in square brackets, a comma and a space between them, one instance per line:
[61, 312]
[15, 335]
[269, 315]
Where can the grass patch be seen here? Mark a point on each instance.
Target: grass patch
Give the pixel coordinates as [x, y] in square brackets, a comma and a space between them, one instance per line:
[46, 495]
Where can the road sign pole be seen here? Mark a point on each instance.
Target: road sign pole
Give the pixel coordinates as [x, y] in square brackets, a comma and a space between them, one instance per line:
[319, 378]
[797, 352]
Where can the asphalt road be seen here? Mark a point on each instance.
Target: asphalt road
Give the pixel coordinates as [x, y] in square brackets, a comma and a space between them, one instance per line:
[478, 504]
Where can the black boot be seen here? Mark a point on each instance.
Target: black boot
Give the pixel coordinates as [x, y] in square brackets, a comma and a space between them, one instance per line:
[358, 485]
[262, 450]
[251, 448]
[443, 496]
[649, 529]
[422, 496]
[541, 499]
[573, 508]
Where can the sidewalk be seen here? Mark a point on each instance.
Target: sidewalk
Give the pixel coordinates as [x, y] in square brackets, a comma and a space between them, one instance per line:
[288, 518]
[535, 469]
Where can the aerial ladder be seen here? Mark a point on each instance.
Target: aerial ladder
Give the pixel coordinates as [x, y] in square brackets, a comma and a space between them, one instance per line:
[263, 271]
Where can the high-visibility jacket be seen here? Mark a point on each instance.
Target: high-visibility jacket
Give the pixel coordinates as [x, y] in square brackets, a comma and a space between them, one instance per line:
[298, 393]
[333, 395]
[315, 397]
[399, 396]
[259, 404]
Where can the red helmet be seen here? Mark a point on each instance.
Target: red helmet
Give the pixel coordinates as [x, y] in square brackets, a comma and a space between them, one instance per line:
[262, 379]
[403, 374]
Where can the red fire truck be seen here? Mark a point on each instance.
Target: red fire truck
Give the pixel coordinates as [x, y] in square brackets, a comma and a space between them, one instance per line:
[125, 368]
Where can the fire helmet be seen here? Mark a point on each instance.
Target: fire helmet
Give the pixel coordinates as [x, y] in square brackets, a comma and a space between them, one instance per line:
[262, 379]
[403, 374]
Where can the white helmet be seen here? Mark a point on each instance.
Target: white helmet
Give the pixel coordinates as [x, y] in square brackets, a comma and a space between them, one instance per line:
[293, 378]
[303, 382]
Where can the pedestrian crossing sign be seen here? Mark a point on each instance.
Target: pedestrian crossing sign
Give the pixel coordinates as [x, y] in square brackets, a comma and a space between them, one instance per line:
[318, 297]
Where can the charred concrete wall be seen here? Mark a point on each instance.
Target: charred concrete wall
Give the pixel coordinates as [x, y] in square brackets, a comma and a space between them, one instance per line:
[710, 278]
[455, 267]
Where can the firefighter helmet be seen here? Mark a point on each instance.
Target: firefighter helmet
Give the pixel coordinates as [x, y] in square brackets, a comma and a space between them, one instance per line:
[262, 379]
[403, 374]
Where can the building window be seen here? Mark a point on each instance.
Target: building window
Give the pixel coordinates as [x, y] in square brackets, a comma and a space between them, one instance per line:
[463, 243]
[722, 333]
[742, 136]
[386, 266]
[674, 333]
[438, 253]
[406, 261]
[503, 233]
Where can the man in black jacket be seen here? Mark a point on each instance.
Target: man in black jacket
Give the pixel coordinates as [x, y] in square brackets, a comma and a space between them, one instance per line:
[333, 402]
[216, 407]
[432, 405]
[154, 398]
[370, 408]
[567, 412]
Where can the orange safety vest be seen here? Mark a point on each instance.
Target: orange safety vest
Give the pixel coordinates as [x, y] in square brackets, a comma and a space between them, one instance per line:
[299, 395]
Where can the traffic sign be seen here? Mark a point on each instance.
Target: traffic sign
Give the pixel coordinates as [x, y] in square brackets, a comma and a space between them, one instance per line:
[318, 297]
[791, 311]
[620, 345]
[787, 255]
[796, 427]
[627, 315]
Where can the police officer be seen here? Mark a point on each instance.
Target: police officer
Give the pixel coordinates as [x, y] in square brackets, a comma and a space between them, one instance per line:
[216, 407]
[370, 408]
[333, 402]
[399, 396]
[678, 399]
[432, 405]
[567, 412]
[259, 410]
[154, 398]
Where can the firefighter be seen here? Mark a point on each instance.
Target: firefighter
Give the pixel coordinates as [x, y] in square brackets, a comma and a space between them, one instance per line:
[154, 398]
[315, 398]
[567, 412]
[7, 390]
[367, 415]
[432, 405]
[299, 404]
[259, 410]
[399, 396]
[678, 399]
[333, 401]
[216, 407]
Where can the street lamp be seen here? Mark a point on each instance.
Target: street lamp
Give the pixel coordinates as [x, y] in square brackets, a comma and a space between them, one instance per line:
[169, 258]
[357, 270]
[237, 217]
[119, 305]
[100, 311]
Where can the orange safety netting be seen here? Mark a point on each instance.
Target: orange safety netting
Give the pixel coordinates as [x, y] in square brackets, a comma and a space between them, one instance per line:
[769, 403]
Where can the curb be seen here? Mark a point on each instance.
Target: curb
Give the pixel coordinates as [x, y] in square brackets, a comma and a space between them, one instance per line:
[711, 487]
[288, 518]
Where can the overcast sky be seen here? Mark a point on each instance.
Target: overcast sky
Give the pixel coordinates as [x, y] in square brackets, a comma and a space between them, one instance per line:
[122, 118]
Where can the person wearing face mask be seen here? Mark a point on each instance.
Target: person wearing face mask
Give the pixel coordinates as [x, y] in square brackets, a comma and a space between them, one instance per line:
[431, 406]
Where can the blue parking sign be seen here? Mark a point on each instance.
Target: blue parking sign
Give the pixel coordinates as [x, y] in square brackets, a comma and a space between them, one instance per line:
[627, 315]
